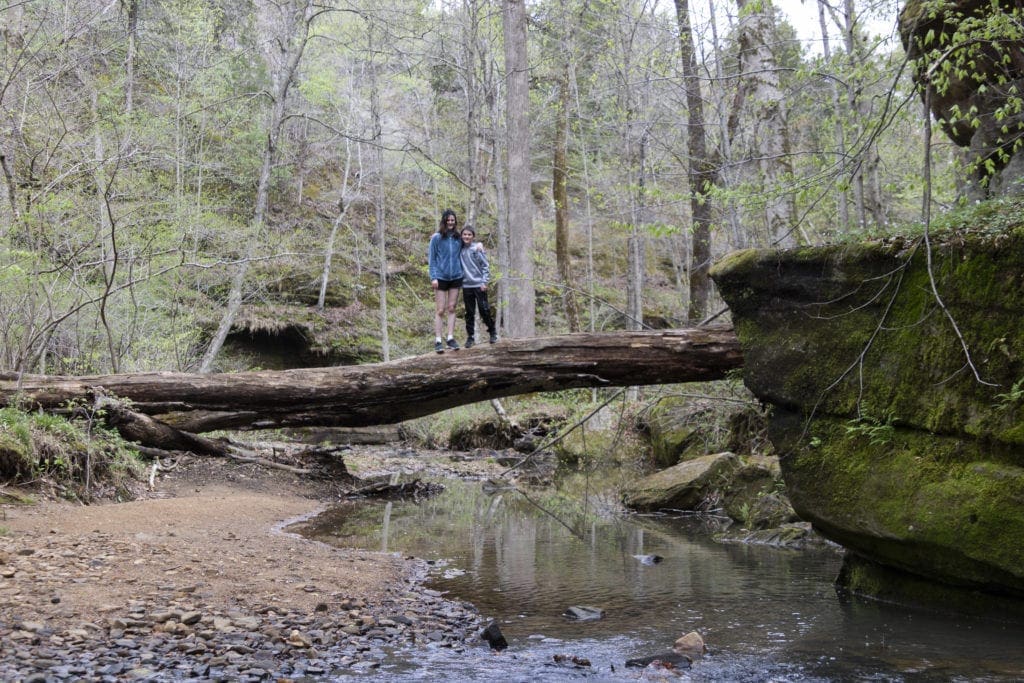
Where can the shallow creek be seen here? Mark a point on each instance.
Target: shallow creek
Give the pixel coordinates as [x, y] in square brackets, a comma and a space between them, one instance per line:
[767, 614]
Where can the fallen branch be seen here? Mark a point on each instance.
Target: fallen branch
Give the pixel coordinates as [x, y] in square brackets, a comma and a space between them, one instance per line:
[413, 489]
[268, 463]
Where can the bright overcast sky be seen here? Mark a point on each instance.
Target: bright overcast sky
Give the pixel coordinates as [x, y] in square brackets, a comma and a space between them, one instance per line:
[803, 15]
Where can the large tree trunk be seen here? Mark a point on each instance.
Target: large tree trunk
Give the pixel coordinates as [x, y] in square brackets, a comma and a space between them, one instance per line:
[842, 203]
[520, 319]
[762, 104]
[386, 393]
[700, 172]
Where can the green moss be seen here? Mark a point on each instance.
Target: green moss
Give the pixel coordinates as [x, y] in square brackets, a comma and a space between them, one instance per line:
[924, 503]
[856, 329]
[737, 261]
[912, 455]
[1014, 435]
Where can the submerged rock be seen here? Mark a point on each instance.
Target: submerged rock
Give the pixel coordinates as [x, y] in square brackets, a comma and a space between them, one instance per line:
[796, 536]
[583, 613]
[674, 659]
[681, 656]
[572, 661]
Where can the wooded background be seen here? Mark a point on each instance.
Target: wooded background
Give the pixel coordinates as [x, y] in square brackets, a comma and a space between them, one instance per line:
[179, 174]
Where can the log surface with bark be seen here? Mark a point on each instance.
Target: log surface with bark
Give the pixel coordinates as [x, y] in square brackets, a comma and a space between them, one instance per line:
[386, 393]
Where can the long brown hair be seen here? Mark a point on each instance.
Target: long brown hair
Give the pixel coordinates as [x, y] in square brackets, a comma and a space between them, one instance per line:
[443, 227]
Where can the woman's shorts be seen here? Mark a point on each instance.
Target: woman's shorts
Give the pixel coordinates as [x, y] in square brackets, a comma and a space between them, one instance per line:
[445, 285]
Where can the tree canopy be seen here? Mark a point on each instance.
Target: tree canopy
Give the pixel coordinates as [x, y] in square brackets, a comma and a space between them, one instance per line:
[184, 180]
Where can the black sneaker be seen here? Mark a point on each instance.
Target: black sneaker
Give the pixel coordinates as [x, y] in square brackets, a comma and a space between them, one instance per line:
[453, 345]
[469, 342]
[438, 346]
[494, 337]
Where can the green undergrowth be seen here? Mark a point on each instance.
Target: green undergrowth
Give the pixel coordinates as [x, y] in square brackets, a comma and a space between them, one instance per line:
[993, 217]
[598, 439]
[435, 431]
[75, 458]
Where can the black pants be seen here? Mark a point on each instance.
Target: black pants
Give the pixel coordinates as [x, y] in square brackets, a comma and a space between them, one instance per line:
[474, 297]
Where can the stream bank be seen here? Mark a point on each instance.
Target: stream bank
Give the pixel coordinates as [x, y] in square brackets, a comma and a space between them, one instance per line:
[197, 579]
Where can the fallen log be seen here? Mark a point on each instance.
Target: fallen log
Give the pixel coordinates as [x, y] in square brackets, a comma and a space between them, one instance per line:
[387, 393]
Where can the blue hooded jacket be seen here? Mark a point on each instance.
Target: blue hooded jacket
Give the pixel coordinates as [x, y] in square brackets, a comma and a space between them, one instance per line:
[444, 256]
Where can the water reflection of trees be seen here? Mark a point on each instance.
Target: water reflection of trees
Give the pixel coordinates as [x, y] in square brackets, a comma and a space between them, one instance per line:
[524, 567]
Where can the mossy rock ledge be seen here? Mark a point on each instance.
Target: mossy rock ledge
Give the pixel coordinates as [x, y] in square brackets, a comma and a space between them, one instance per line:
[894, 441]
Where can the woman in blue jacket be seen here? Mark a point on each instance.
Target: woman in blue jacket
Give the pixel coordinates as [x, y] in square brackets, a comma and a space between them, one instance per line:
[444, 257]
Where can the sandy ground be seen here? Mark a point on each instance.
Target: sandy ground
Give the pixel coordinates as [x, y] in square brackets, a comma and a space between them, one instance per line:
[209, 533]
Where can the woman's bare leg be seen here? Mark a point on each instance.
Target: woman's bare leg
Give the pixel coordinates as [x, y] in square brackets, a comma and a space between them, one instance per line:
[440, 309]
[452, 300]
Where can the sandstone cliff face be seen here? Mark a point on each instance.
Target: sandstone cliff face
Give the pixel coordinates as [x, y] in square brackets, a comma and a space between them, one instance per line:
[894, 440]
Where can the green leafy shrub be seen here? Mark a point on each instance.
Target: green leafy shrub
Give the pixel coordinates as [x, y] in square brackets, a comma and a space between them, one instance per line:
[78, 457]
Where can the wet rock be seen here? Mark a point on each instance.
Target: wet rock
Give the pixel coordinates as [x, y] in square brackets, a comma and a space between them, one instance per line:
[583, 613]
[691, 643]
[571, 661]
[684, 650]
[492, 634]
[147, 640]
[672, 659]
[649, 559]
[796, 536]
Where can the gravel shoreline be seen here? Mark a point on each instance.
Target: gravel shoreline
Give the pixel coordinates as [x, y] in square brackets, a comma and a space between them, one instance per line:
[176, 635]
[202, 584]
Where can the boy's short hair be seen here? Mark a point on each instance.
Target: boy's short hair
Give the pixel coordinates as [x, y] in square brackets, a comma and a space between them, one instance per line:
[470, 228]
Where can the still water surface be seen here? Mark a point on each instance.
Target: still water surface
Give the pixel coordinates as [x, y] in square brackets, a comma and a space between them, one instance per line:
[767, 614]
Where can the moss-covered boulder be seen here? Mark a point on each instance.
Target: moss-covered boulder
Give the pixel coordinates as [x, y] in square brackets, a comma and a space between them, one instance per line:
[605, 439]
[754, 497]
[692, 485]
[684, 427]
[896, 381]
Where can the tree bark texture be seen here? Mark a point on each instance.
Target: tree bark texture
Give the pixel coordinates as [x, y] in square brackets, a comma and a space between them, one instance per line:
[386, 393]
[520, 318]
[761, 95]
[700, 172]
